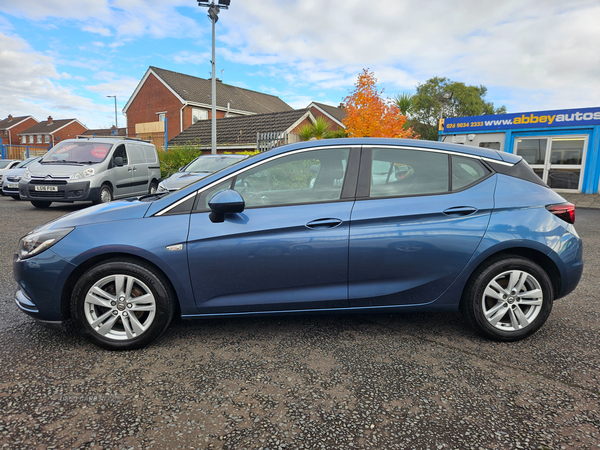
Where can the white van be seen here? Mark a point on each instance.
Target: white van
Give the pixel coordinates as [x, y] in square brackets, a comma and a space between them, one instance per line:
[92, 169]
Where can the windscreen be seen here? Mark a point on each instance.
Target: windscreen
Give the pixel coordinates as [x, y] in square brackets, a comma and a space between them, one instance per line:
[211, 164]
[85, 152]
[4, 164]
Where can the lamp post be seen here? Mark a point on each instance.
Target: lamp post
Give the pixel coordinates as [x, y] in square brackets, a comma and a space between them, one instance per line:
[213, 15]
[446, 96]
[116, 122]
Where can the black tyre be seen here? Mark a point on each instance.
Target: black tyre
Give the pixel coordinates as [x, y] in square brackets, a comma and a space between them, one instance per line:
[105, 195]
[153, 187]
[40, 204]
[507, 299]
[122, 305]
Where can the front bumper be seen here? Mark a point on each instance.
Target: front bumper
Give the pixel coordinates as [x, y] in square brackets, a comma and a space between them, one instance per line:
[40, 282]
[62, 191]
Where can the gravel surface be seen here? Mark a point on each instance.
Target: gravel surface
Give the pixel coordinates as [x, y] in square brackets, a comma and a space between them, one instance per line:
[418, 381]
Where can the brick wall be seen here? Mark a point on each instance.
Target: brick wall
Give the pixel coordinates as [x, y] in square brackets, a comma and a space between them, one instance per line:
[71, 131]
[154, 97]
[15, 130]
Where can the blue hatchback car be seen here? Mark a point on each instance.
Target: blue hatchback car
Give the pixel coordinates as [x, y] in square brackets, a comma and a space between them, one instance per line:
[346, 225]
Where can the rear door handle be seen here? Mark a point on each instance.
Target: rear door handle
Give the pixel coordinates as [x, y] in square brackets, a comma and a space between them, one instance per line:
[324, 223]
[460, 211]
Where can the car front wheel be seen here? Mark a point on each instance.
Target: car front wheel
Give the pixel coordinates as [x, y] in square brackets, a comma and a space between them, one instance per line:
[508, 299]
[122, 305]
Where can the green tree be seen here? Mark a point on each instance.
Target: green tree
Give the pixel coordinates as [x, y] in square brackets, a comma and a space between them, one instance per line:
[321, 128]
[428, 106]
[404, 101]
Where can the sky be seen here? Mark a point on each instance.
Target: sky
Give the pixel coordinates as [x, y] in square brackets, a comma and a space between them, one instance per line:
[63, 57]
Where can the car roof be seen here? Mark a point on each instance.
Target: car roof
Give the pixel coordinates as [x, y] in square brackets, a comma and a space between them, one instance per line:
[435, 145]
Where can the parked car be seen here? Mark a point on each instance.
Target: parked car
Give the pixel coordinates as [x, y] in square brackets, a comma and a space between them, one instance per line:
[302, 228]
[9, 183]
[91, 169]
[199, 168]
[6, 165]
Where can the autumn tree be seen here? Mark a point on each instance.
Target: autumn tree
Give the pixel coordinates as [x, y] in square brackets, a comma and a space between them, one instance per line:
[370, 115]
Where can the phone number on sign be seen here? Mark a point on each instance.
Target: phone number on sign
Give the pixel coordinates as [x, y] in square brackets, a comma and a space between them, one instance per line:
[464, 125]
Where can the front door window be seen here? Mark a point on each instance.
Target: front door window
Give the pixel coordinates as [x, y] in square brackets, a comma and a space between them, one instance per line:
[558, 161]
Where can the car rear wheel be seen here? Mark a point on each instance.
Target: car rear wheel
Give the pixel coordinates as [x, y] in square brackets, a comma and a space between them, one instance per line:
[40, 204]
[508, 299]
[122, 305]
[153, 187]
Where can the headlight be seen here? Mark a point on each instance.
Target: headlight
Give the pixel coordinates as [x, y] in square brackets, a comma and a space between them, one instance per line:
[35, 243]
[161, 188]
[27, 175]
[83, 174]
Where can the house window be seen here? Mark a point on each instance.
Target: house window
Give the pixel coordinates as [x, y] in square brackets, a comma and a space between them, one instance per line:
[23, 139]
[161, 116]
[199, 114]
[31, 139]
[47, 139]
[39, 138]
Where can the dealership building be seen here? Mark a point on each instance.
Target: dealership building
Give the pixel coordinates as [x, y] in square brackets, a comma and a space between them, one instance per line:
[561, 146]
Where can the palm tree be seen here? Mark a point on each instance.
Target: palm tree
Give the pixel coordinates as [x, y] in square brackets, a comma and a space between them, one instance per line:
[404, 101]
[316, 130]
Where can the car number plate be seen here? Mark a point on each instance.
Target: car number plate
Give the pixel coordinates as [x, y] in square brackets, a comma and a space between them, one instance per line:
[12, 185]
[46, 188]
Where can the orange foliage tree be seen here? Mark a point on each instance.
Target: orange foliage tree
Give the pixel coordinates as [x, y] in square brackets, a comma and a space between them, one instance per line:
[369, 115]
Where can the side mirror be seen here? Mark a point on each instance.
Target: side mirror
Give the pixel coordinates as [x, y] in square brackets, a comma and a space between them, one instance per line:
[118, 161]
[314, 168]
[181, 169]
[223, 203]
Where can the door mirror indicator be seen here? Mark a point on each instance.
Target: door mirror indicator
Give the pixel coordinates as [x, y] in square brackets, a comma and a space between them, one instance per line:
[223, 203]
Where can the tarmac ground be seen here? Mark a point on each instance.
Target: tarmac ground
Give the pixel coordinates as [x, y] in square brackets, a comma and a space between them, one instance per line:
[388, 381]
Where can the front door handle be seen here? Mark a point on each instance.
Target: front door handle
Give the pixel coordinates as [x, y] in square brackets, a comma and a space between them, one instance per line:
[323, 223]
[460, 211]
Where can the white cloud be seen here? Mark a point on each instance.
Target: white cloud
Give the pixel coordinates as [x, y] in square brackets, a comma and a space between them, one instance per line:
[538, 46]
[130, 18]
[29, 86]
[103, 31]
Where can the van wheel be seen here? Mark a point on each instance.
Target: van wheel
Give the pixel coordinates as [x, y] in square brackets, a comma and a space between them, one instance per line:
[153, 187]
[40, 203]
[105, 194]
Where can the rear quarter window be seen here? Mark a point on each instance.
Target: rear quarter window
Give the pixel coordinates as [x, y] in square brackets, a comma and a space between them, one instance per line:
[150, 154]
[467, 171]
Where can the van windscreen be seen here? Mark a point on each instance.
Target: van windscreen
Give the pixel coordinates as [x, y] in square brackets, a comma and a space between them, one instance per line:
[78, 153]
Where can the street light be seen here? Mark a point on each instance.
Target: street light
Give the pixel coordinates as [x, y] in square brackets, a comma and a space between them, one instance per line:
[213, 15]
[116, 121]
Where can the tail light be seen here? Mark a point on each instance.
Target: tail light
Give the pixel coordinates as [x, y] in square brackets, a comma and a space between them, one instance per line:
[566, 211]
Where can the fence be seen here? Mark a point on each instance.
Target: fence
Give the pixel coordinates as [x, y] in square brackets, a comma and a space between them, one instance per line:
[269, 140]
[157, 139]
[21, 151]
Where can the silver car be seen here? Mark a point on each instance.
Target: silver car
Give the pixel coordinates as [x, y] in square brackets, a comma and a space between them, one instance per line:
[92, 169]
[6, 165]
[199, 168]
[9, 182]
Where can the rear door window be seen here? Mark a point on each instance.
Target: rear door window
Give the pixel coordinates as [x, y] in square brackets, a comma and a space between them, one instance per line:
[399, 172]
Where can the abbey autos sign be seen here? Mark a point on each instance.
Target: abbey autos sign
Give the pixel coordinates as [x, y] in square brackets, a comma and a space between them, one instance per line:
[559, 118]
